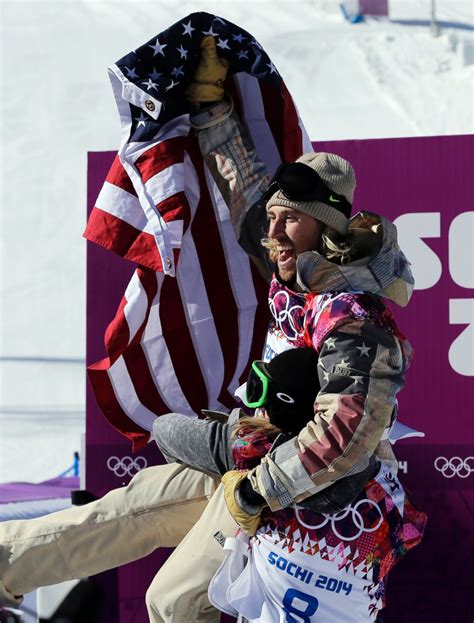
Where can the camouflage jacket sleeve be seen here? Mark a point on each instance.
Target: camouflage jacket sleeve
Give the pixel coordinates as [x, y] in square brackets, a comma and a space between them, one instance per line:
[362, 361]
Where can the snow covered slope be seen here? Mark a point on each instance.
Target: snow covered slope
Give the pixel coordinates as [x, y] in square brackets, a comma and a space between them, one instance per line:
[379, 78]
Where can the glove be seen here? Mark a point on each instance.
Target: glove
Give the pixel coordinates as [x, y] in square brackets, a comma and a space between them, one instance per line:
[232, 481]
[208, 79]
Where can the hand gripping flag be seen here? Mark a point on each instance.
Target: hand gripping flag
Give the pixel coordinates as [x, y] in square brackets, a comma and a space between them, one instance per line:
[194, 313]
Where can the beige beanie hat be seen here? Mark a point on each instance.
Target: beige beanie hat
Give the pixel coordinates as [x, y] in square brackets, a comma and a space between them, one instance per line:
[339, 176]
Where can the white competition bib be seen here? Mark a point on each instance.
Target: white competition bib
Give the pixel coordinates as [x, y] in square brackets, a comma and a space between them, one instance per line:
[278, 586]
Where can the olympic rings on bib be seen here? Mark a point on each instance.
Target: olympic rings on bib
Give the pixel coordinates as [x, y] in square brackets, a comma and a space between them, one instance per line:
[127, 465]
[456, 466]
[356, 517]
[288, 319]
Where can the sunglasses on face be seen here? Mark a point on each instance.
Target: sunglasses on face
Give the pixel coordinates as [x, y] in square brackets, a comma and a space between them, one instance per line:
[299, 182]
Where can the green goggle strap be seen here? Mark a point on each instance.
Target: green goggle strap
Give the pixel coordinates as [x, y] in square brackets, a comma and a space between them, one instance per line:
[265, 382]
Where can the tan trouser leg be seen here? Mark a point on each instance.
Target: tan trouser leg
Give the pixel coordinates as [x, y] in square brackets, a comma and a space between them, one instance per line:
[179, 591]
[156, 509]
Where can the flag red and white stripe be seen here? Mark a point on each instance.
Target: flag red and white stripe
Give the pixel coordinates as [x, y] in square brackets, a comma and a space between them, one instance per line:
[188, 325]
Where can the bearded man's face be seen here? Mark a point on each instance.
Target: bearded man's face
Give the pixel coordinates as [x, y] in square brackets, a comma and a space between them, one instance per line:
[294, 232]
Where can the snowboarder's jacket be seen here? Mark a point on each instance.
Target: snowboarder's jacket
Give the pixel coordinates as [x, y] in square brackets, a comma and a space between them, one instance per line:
[297, 552]
[338, 310]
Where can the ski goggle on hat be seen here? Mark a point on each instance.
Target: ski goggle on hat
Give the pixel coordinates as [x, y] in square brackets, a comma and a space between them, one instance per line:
[299, 182]
[258, 382]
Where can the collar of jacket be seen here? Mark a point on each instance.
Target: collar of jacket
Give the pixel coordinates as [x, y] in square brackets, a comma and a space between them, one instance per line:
[380, 266]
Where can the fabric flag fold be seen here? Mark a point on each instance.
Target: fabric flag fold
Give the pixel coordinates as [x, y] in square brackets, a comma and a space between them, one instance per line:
[195, 311]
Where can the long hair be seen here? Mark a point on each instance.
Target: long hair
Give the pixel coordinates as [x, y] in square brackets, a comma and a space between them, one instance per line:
[256, 424]
[336, 247]
[270, 244]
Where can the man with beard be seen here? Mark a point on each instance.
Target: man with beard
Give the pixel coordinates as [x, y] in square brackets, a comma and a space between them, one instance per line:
[325, 293]
[329, 274]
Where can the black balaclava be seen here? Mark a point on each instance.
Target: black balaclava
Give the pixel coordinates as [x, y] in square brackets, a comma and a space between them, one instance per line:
[293, 388]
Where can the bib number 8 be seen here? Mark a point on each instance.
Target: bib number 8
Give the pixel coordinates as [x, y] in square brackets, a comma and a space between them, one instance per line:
[295, 614]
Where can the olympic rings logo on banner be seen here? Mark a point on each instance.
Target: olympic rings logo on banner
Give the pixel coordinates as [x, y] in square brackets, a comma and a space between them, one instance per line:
[127, 465]
[356, 517]
[456, 466]
[286, 317]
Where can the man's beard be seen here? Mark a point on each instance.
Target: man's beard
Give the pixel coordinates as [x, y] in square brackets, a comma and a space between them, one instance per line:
[288, 278]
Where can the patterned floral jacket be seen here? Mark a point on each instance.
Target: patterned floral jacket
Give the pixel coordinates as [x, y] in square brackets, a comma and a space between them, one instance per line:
[358, 546]
[340, 311]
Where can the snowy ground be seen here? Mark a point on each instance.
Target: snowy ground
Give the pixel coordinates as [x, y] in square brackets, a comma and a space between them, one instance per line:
[376, 79]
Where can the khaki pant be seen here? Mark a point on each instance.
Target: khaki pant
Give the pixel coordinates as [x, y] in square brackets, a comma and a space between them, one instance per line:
[157, 508]
[179, 590]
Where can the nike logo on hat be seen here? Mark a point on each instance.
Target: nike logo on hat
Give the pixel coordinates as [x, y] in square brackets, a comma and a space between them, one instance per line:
[333, 199]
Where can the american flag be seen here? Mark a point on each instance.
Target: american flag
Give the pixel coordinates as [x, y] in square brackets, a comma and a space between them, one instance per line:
[195, 311]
